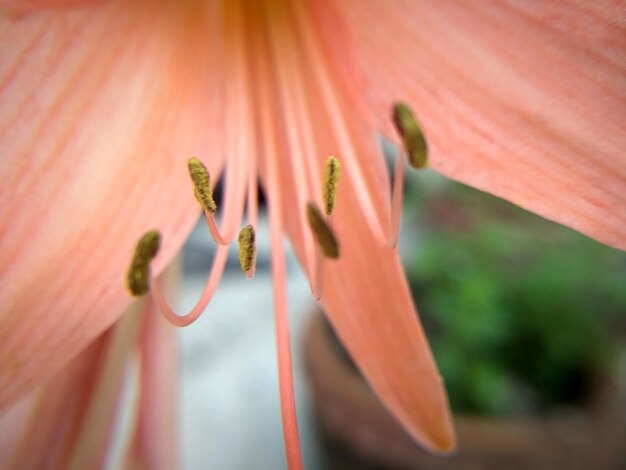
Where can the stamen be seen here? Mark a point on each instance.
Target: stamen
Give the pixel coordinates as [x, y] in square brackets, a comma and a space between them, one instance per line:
[217, 269]
[323, 233]
[302, 152]
[344, 133]
[138, 277]
[253, 210]
[202, 184]
[412, 136]
[247, 248]
[285, 373]
[396, 201]
[332, 170]
[317, 289]
[202, 190]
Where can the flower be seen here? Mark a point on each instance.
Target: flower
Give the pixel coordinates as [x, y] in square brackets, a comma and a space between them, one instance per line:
[102, 103]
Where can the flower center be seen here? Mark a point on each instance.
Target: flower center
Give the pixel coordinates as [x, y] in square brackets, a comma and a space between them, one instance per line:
[138, 275]
[320, 228]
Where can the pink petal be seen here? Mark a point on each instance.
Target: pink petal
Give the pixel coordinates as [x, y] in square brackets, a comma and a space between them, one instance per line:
[366, 297]
[99, 109]
[69, 418]
[522, 99]
[45, 431]
[369, 304]
[17, 7]
[155, 444]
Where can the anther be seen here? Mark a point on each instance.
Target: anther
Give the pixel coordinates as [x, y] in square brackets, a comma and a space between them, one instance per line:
[332, 170]
[138, 276]
[412, 136]
[247, 248]
[323, 233]
[202, 184]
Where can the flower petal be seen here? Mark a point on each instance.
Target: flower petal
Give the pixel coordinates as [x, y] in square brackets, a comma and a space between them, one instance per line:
[69, 419]
[369, 304]
[155, 444]
[99, 110]
[22, 6]
[44, 432]
[522, 99]
[366, 298]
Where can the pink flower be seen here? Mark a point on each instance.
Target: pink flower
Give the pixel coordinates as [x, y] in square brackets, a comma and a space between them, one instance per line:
[102, 103]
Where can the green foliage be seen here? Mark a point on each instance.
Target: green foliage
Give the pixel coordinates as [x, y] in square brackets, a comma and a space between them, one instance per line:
[519, 310]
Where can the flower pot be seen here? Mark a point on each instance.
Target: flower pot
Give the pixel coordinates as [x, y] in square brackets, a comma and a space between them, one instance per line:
[360, 434]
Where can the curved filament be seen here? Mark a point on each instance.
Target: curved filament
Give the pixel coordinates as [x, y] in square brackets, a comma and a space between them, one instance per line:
[217, 269]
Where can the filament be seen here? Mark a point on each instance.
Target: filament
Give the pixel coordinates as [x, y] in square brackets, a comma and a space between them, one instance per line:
[217, 269]
[396, 201]
[285, 372]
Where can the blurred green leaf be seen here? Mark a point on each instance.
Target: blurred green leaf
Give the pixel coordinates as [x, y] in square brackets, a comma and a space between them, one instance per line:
[515, 306]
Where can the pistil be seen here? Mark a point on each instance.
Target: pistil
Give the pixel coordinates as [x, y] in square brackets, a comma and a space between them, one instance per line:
[415, 146]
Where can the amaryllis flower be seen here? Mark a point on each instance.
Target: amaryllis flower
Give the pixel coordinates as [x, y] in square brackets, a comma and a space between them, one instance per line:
[102, 103]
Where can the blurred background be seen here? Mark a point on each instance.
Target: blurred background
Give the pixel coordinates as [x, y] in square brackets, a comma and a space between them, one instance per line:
[526, 319]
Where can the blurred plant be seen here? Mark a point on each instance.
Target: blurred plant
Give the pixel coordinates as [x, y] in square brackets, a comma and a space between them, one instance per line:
[519, 311]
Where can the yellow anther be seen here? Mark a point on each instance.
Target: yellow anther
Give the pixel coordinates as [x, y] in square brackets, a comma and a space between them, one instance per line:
[412, 136]
[332, 170]
[247, 248]
[323, 233]
[138, 276]
[201, 184]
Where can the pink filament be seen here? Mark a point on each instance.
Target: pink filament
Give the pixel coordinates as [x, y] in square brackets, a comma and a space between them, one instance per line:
[301, 149]
[237, 129]
[338, 119]
[317, 289]
[219, 261]
[253, 209]
[396, 203]
[216, 233]
[285, 375]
